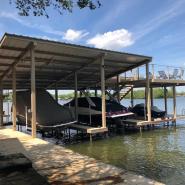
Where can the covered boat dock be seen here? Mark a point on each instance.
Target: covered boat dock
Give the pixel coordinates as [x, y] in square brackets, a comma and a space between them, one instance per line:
[31, 63]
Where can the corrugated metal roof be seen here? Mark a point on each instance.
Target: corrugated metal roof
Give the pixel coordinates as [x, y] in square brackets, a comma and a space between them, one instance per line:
[56, 62]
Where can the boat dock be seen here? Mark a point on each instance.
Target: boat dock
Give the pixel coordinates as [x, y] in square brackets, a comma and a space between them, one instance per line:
[31, 63]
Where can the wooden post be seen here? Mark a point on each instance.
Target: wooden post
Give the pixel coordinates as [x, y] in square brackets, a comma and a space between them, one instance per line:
[56, 93]
[76, 96]
[95, 92]
[153, 72]
[103, 92]
[165, 100]
[148, 93]
[174, 103]
[1, 104]
[151, 95]
[117, 87]
[14, 97]
[138, 73]
[145, 105]
[33, 94]
[132, 97]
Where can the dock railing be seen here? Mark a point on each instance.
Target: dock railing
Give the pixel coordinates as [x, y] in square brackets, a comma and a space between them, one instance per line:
[156, 71]
[167, 72]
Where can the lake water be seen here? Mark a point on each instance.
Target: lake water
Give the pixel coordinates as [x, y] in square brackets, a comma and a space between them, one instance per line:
[158, 154]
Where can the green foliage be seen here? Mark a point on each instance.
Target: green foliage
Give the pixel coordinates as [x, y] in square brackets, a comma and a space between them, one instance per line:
[40, 7]
[7, 97]
[157, 93]
[66, 96]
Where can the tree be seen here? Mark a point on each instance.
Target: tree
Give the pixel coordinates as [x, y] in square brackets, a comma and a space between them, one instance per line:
[40, 7]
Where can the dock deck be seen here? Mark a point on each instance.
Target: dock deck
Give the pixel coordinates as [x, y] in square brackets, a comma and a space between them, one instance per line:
[141, 123]
[89, 129]
[63, 166]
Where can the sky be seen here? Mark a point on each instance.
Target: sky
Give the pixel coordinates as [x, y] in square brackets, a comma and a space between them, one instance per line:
[149, 27]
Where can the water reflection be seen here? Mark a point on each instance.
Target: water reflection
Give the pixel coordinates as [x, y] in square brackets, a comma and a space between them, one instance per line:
[158, 154]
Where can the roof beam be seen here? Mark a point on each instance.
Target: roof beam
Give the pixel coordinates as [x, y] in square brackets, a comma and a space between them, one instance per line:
[122, 71]
[46, 52]
[65, 55]
[75, 71]
[17, 60]
[4, 65]
[7, 57]
[129, 68]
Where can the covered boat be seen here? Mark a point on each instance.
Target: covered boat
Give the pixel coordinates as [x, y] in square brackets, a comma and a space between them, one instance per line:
[48, 112]
[140, 110]
[90, 110]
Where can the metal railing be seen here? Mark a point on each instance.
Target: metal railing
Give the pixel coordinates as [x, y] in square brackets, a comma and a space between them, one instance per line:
[155, 72]
[167, 72]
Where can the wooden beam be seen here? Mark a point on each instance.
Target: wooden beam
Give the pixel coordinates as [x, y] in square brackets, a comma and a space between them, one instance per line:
[132, 97]
[148, 93]
[77, 70]
[1, 104]
[123, 70]
[76, 95]
[104, 125]
[174, 103]
[151, 95]
[56, 93]
[7, 57]
[19, 58]
[46, 52]
[128, 68]
[117, 87]
[165, 100]
[33, 93]
[5, 64]
[14, 97]
[70, 55]
[95, 92]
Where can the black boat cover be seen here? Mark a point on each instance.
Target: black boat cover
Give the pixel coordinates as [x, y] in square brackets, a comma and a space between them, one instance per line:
[48, 111]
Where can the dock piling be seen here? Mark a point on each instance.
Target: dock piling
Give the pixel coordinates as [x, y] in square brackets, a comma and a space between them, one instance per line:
[56, 92]
[165, 100]
[148, 93]
[76, 95]
[1, 104]
[33, 93]
[132, 97]
[103, 91]
[14, 97]
[174, 105]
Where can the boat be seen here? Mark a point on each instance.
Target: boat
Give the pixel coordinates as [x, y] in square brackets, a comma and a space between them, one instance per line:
[140, 110]
[90, 110]
[49, 114]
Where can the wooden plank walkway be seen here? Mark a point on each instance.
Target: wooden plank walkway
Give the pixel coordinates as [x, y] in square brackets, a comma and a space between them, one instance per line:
[62, 166]
[89, 129]
[138, 123]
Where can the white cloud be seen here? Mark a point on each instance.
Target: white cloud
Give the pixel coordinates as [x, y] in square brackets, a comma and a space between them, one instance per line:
[72, 35]
[112, 40]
